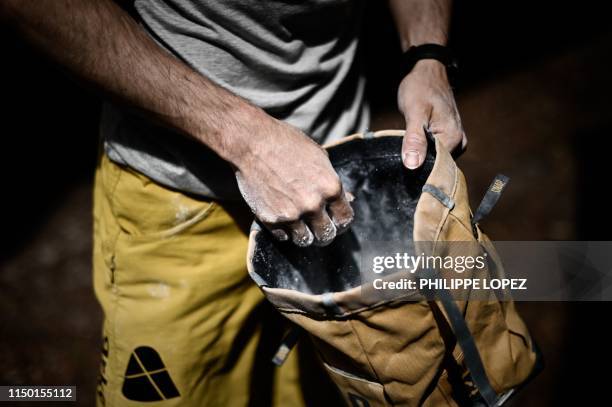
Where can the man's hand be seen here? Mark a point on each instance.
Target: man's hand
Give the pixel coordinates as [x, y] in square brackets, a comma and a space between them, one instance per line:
[285, 177]
[426, 100]
[424, 96]
[289, 183]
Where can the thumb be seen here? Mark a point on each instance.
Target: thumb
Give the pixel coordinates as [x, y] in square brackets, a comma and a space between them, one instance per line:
[414, 147]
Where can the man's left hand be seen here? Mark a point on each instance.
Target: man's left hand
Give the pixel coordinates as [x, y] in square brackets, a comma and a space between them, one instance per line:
[426, 100]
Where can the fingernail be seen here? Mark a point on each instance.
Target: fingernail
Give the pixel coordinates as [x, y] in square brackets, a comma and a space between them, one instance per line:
[411, 159]
[280, 235]
[343, 226]
[326, 236]
[305, 240]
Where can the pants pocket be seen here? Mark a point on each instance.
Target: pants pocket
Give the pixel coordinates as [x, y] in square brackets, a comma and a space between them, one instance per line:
[357, 391]
[146, 210]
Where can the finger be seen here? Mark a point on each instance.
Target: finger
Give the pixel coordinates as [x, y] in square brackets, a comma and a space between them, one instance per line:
[461, 146]
[446, 121]
[414, 147]
[340, 212]
[300, 234]
[280, 235]
[451, 134]
[276, 230]
[323, 228]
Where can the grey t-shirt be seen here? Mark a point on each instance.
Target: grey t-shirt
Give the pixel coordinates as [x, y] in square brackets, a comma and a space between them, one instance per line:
[294, 59]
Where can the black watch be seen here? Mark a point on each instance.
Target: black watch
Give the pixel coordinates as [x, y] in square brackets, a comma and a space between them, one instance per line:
[427, 51]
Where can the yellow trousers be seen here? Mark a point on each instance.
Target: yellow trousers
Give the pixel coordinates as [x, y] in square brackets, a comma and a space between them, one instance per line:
[184, 325]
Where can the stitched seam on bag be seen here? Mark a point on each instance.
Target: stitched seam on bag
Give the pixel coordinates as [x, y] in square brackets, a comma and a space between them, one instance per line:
[351, 376]
[461, 223]
[443, 393]
[365, 353]
[446, 211]
[348, 313]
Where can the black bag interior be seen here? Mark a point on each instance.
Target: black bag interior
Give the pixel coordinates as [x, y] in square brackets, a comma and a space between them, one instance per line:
[386, 194]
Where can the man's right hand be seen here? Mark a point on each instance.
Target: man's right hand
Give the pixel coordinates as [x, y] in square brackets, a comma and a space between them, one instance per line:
[284, 176]
[290, 185]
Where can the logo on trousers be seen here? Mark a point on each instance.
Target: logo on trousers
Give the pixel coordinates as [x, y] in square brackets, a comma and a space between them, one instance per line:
[146, 377]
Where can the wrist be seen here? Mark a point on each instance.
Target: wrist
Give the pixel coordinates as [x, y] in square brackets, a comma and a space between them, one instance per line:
[429, 66]
[427, 52]
[439, 39]
[242, 132]
[428, 71]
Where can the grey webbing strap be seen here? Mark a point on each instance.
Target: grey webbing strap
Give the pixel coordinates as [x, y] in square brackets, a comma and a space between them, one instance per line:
[286, 345]
[466, 341]
[439, 195]
[491, 197]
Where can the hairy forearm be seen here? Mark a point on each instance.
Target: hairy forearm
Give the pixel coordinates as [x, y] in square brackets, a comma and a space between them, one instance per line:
[421, 21]
[103, 46]
[284, 176]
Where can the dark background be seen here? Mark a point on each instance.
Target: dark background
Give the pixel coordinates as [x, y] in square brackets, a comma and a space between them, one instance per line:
[534, 95]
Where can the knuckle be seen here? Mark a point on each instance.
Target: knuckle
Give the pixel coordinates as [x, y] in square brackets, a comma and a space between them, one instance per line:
[267, 219]
[458, 135]
[450, 135]
[413, 139]
[332, 188]
[280, 217]
[288, 215]
[455, 137]
[311, 204]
